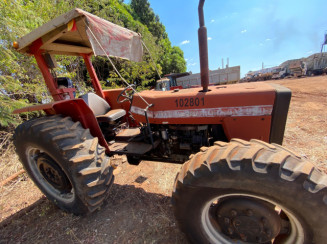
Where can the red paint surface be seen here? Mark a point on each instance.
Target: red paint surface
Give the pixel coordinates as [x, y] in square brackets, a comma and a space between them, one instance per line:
[175, 87]
[77, 109]
[95, 81]
[111, 98]
[48, 78]
[236, 95]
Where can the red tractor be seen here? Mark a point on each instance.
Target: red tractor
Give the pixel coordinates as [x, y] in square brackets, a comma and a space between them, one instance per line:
[229, 190]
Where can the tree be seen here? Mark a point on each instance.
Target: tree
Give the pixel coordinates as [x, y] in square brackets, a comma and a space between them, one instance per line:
[178, 63]
[171, 58]
[21, 82]
[146, 16]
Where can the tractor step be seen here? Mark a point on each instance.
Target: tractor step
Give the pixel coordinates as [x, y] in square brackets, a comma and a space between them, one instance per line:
[128, 134]
[131, 148]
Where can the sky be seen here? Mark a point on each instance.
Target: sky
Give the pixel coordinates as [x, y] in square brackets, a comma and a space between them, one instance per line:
[248, 32]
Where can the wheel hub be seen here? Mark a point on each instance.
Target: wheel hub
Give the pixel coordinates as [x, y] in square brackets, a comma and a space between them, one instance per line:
[53, 174]
[247, 219]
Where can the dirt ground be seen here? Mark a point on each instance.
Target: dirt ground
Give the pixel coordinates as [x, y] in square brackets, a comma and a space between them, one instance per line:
[139, 208]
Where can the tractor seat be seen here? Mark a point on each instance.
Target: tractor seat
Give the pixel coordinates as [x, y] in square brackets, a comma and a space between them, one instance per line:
[101, 109]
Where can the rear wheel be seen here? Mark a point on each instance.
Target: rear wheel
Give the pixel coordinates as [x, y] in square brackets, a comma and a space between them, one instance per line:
[250, 192]
[65, 161]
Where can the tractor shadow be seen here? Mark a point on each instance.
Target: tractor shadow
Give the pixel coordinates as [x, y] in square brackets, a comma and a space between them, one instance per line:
[130, 215]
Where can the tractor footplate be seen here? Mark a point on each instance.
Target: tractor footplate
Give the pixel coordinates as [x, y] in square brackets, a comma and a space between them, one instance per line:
[128, 134]
[131, 148]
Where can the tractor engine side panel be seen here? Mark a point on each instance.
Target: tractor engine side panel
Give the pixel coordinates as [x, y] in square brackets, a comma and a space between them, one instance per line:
[244, 110]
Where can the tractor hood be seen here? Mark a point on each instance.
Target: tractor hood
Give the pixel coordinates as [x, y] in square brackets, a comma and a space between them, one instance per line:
[247, 110]
[192, 106]
[79, 32]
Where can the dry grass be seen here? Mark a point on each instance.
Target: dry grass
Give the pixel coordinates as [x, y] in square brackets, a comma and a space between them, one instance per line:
[9, 163]
[138, 211]
[306, 128]
[20, 192]
[133, 214]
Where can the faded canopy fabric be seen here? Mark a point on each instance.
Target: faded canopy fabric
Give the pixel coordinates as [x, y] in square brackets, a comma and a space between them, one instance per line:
[114, 40]
[78, 32]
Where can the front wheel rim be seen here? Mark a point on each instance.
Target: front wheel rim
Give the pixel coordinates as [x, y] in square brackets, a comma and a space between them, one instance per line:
[50, 175]
[215, 233]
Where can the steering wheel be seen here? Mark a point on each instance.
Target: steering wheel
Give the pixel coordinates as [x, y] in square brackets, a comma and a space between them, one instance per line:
[127, 96]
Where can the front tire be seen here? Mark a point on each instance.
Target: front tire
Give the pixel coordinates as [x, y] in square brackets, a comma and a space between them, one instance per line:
[250, 192]
[65, 161]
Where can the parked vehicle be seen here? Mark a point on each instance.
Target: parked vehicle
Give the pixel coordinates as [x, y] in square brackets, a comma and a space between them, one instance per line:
[168, 82]
[298, 68]
[319, 65]
[228, 190]
[278, 73]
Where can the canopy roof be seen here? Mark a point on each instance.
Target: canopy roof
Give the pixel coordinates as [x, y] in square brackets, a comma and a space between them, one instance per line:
[78, 32]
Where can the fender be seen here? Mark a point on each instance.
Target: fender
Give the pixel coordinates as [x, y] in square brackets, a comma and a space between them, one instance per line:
[77, 109]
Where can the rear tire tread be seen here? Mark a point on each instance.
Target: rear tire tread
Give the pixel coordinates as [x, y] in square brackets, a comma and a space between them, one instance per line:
[206, 169]
[260, 153]
[80, 151]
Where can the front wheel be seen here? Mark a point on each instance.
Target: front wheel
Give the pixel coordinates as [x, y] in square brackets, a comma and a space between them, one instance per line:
[250, 192]
[65, 161]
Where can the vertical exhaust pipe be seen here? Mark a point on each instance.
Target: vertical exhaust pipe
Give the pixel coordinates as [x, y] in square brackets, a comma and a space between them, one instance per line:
[203, 49]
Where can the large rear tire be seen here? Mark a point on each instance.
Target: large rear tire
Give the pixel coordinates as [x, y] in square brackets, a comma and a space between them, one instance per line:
[65, 161]
[250, 192]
